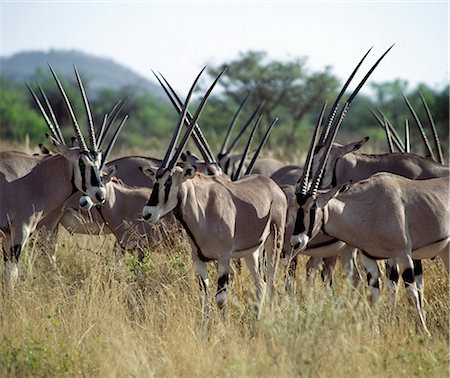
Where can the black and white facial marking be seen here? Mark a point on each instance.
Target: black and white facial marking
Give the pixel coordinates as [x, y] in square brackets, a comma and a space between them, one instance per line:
[305, 227]
[161, 201]
[87, 176]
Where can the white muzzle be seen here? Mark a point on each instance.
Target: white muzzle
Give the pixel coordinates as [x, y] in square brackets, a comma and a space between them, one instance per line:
[299, 242]
[151, 213]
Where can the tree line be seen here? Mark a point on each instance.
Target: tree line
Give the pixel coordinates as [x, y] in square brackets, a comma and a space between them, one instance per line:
[290, 90]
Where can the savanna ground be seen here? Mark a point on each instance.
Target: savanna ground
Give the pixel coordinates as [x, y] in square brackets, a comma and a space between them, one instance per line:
[94, 313]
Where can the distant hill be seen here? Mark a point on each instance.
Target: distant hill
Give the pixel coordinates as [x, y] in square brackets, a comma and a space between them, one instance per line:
[99, 72]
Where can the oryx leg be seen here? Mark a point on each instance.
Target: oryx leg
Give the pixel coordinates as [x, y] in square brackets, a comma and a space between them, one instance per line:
[406, 269]
[418, 276]
[327, 271]
[392, 279]
[312, 265]
[290, 275]
[272, 249]
[373, 277]
[202, 274]
[252, 262]
[12, 247]
[223, 279]
[348, 260]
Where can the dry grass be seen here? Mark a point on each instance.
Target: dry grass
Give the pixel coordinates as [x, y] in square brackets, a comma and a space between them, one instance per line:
[95, 314]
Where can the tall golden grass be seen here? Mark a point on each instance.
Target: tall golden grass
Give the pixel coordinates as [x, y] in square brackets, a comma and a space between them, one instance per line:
[97, 314]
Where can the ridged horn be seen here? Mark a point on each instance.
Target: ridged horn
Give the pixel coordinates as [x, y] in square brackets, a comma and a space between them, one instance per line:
[304, 178]
[237, 174]
[433, 128]
[44, 114]
[105, 155]
[421, 129]
[87, 108]
[407, 140]
[244, 128]
[223, 149]
[396, 138]
[334, 108]
[108, 120]
[193, 122]
[388, 136]
[52, 114]
[318, 177]
[260, 147]
[78, 133]
[198, 136]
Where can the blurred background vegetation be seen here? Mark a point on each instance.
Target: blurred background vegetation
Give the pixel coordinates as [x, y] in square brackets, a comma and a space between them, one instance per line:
[291, 91]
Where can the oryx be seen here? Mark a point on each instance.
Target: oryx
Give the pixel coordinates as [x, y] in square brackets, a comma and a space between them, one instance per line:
[30, 197]
[223, 219]
[395, 217]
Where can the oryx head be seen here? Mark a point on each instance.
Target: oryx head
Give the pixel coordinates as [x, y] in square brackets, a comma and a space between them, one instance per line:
[87, 162]
[310, 215]
[168, 177]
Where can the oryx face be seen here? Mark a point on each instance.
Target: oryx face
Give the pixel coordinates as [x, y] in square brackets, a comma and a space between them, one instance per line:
[164, 197]
[86, 168]
[307, 223]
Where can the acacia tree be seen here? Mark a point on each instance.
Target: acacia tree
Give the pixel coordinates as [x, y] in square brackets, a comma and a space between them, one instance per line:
[286, 87]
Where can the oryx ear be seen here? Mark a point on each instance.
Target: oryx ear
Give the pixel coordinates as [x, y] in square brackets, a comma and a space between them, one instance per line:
[108, 173]
[149, 172]
[56, 146]
[189, 171]
[354, 146]
[324, 198]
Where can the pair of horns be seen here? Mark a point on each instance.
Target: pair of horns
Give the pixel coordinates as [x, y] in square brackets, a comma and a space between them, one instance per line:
[237, 174]
[171, 157]
[224, 149]
[384, 122]
[197, 134]
[55, 129]
[329, 133]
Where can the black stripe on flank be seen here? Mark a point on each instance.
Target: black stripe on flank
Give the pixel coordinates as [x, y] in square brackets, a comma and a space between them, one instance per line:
[179, 217]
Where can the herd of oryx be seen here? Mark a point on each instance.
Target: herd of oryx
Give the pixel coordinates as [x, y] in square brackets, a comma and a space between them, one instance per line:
[391, 206]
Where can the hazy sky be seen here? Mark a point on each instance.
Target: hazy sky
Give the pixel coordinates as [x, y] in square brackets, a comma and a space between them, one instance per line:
[178, 38]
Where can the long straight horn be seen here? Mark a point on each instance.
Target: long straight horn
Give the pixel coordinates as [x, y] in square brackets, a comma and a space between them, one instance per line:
[318, 177]
[197, 115]
[388, 136]
[237, 174]
[223, 149]
[78, 133]
[44, 114]
[87, 109]
[333, 110]
[52, 114]
[396, 139]
[198, 136]
[105, 155]
[110, 119]
[407, 142]
[244, 128]
[181, 120]
[421, 129]
[260, 147]
[303, 180]
[433, 128]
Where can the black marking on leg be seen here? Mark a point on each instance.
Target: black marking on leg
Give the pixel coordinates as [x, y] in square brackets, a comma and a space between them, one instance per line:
[222, 283]
[408, 276]
[375, 284]
[202, 283]
[393, 273]
[417, 267]
[14, 253]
